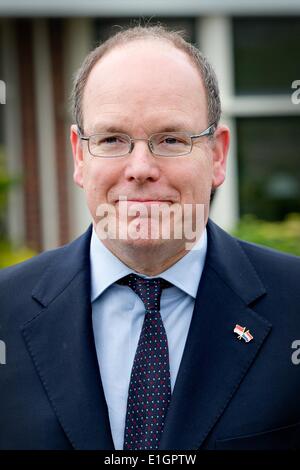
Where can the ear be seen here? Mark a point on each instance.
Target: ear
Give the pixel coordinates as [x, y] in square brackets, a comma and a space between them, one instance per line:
[78, 157]
[220, 145]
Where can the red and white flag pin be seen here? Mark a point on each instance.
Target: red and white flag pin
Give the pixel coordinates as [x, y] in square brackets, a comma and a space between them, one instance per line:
[243, 333]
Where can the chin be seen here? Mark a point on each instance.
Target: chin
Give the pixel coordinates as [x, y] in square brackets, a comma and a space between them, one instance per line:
[143, 243]
[159, 248]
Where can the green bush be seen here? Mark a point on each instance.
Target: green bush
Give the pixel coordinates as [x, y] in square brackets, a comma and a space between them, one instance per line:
[283, 236]
[10, 255]
[6, 183]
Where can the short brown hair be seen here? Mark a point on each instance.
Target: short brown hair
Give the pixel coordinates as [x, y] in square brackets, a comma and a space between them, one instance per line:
[157, 32]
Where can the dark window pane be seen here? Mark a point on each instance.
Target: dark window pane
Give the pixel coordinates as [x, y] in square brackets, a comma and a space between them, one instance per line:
[266, 54]
[269, 166]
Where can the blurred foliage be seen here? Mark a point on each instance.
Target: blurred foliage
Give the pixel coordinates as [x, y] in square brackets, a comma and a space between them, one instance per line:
[6, 182]
[282, 236]
[10, 255]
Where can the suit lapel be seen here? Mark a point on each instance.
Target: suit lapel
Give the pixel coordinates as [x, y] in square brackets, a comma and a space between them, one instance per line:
[215, 362]
[61, 343]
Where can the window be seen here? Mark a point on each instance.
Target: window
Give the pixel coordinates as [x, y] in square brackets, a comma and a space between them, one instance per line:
[266, 63]
[266, 52]
[269, 166]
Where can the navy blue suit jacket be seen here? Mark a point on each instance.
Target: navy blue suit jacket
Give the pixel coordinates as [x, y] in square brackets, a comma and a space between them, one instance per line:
[229, 394]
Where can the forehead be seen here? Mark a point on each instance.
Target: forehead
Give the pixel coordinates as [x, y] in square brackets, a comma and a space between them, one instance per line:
[141, 80]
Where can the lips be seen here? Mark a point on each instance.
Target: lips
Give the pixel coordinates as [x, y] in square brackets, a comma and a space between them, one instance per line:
[144, 200]
[147, 200]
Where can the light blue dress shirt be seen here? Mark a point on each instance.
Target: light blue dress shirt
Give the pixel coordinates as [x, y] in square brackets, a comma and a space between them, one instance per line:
[118, 315]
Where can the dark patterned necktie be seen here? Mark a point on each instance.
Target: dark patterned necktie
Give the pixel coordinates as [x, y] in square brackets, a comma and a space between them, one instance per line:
[149, 392]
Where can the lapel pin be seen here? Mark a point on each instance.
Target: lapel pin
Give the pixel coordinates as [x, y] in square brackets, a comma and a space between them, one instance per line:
[242, 333]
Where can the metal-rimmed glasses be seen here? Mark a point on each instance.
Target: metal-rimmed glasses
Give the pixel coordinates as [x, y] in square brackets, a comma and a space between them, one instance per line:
[162, 144]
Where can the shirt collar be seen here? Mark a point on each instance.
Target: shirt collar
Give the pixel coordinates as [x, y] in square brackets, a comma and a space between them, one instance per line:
[106, 268]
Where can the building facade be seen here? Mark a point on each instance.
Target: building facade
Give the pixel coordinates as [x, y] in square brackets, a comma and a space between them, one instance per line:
[253, 46]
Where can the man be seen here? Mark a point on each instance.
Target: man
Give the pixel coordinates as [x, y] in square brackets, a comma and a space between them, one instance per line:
[127, 338]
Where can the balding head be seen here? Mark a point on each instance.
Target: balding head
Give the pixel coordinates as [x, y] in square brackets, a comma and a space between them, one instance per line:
[153, 33]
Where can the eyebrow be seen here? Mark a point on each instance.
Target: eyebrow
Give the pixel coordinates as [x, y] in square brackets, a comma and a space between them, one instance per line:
[175, 128]
[98, 129]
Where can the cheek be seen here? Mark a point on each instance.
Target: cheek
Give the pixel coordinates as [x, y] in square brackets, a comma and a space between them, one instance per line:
[195, 180]
[97, 180]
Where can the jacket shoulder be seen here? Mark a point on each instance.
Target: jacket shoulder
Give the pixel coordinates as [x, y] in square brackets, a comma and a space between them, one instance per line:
[29, 268]
[270, 257]
[277, 270]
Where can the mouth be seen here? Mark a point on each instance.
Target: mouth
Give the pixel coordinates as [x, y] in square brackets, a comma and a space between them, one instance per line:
[146, 201]
[149, 200]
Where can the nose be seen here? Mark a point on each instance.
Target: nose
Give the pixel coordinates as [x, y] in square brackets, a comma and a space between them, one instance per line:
[141, 165]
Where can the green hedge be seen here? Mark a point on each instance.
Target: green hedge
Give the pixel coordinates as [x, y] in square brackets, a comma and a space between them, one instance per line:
[9, 256]
[283, 236]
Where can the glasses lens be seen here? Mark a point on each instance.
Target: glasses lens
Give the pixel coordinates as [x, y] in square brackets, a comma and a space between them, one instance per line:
[171, 145]
[109, 145]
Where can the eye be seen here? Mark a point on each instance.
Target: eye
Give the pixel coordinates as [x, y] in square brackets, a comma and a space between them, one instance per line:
[171, 140]
[112, 139]
[109, 139]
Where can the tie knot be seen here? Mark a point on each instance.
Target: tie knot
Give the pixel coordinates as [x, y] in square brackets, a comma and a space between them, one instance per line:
[149, 290]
